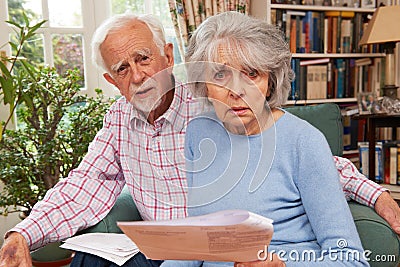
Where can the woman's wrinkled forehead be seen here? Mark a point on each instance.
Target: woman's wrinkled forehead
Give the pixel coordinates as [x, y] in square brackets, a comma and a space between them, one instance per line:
[228, 55]
[233, 55]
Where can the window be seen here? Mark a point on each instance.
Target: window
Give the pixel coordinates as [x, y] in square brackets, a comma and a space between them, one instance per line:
[59, 43]
[159, 8]
[64, 41]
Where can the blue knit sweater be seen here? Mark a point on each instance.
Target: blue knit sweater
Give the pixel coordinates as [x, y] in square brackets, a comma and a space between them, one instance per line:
[286, 173]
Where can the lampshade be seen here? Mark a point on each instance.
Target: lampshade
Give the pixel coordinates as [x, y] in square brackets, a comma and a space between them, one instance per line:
[383, 27]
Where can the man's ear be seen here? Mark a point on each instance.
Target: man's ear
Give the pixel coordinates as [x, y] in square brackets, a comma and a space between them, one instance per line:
[109, 79]
[169, 54]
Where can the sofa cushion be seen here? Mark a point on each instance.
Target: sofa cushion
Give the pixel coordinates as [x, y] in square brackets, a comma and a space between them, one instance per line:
[330, 123]
[123, 210]
[376, 236]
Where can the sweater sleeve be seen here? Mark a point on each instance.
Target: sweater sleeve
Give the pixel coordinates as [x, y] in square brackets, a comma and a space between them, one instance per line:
[325, 205]
[172, 263]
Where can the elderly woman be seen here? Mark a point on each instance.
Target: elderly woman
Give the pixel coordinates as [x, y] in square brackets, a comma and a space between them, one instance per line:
[248, 153]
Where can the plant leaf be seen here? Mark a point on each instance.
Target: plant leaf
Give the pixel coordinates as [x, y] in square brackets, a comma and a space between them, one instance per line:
[28, 101]
[8, 90]
[29, 68]
[14, 23]
[33, 29]
[5, 72]
[14, 46]
[26, 20]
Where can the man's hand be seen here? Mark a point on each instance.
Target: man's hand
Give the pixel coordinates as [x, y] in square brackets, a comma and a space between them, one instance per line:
[15, 252]
[272, 261]
[389, 210]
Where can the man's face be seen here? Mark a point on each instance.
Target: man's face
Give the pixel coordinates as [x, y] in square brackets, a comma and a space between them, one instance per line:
[133, 60]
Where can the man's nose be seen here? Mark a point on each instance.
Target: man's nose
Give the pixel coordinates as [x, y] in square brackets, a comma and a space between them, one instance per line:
[137, 74]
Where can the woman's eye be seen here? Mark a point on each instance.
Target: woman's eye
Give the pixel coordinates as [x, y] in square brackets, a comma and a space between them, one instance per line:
[221, 75]
[252, 74]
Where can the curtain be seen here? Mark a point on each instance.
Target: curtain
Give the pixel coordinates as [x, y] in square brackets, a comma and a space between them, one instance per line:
[188, 14]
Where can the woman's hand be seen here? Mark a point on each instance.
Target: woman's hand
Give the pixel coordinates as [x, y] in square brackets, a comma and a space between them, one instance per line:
[272, 261]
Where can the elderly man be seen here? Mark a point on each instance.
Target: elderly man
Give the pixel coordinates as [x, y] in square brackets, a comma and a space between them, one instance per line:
[140, 146]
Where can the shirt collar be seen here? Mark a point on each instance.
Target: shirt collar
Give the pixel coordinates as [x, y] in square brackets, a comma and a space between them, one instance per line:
[178, 112]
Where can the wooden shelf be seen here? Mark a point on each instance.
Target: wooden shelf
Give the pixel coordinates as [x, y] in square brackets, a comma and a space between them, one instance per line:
[344, 55]
[394, 190]
[320, 101]
[322, 8]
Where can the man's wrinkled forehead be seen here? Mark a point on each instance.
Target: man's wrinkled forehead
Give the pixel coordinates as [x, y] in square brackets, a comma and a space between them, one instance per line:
[131, 40]
[134, 56]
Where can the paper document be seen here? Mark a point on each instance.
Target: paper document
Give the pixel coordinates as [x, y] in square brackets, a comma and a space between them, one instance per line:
[230, 235]
[117, 248]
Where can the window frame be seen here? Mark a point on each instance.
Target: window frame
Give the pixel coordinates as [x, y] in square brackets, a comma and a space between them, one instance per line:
[94, 12]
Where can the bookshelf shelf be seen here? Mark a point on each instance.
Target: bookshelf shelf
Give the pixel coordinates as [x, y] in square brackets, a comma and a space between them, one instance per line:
[394, 190]
[321, 8]
[320, 101]
[337, 55]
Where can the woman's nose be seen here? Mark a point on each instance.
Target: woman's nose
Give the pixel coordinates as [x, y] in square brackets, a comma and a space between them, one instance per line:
[236, 86]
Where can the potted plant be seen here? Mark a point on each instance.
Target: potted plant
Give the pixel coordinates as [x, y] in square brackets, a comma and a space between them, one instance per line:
[55, 124]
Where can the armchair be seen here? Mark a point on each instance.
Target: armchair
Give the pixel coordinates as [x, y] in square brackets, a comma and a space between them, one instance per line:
[376, 235]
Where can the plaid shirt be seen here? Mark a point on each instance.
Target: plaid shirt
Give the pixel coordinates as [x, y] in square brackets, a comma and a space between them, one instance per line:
[149, 160]
[355, 185]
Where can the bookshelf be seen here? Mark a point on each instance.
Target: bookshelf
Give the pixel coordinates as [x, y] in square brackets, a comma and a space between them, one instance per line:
[394, 191]
[314, 8]
[332, 33]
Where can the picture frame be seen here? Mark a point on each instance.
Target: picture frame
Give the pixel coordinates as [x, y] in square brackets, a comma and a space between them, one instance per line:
[366, 102]
[368, 3]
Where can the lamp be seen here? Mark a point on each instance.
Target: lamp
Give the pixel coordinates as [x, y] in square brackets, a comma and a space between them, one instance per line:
[384, 28]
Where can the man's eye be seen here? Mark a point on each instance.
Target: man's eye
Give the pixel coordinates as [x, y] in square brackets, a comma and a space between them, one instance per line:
[144, 59]
[121, 69]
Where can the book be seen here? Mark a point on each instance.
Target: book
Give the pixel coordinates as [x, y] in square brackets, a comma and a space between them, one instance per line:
[314, 61]
[364, 160]
[398, 163]
[229, 235]
[346, 132]
[390, 164]
[349, 110]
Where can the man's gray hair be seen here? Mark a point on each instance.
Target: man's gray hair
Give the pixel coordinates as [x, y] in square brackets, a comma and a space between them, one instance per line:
[253, 43]
[115, 23]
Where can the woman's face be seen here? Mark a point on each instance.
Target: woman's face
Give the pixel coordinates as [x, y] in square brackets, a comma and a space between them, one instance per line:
[238, 95]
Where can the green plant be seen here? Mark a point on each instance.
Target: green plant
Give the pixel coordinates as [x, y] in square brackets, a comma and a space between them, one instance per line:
[55, 124]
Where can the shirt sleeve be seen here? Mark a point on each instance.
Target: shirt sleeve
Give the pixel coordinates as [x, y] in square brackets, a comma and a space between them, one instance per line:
[79, 201]
[325, 205]
[355, 185]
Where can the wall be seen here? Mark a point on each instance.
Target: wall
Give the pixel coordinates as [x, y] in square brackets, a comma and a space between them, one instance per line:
[258, 8]
[7, 222]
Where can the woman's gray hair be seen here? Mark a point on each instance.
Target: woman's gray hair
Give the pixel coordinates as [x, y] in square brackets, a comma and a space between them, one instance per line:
[117, 22]
[252, 42]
